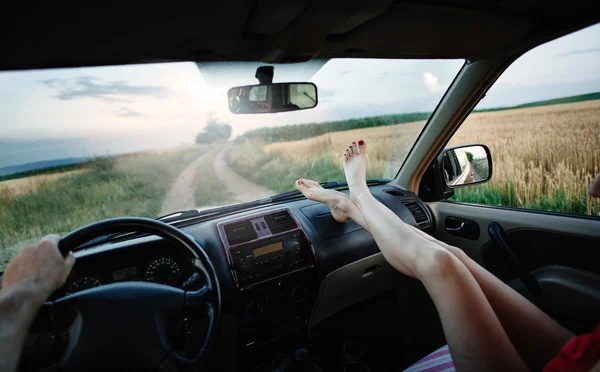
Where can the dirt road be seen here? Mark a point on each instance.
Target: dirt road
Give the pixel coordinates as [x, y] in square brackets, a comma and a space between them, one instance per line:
[243, 189]
[180, 196]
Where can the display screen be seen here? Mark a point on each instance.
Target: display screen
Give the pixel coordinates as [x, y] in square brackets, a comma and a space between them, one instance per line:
[268, 249]
[124, 274]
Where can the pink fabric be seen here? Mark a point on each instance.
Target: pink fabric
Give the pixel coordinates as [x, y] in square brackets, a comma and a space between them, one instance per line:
[438, 361]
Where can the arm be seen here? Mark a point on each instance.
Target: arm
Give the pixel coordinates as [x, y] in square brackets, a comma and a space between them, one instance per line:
[29, 279]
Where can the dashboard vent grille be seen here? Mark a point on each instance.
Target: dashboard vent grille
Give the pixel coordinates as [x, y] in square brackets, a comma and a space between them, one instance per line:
[280, 222]
[240, 232]
[417, 211]
[394, 192]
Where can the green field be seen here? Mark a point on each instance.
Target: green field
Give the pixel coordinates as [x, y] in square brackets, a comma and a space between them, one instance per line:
[133, 185]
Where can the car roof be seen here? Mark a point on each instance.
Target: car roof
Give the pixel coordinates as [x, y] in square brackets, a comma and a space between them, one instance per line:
[52, 34]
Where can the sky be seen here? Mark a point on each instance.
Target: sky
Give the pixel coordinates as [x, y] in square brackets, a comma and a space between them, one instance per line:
[58, 113]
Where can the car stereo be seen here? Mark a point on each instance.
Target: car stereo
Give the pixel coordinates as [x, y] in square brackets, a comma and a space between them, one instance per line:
[265, 247]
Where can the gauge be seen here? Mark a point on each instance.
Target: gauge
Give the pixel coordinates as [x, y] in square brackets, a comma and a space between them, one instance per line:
[163, 270]
[83, 284]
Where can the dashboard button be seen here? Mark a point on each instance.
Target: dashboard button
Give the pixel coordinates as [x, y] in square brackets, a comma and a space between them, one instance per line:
[263, 225]
[236, 252]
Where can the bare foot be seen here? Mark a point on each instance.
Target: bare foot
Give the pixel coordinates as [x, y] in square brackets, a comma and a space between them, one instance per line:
[355, 168]
[338, 202]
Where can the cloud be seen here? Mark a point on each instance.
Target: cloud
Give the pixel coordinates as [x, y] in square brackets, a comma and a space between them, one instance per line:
[108, 91]
[326, 93]
[126, 112]
[431, 82]
[579, 51]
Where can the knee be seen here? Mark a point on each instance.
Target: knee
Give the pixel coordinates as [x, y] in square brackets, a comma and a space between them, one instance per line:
[440, 262]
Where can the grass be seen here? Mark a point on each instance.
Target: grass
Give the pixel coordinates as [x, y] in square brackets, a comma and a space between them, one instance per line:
[278, 173]
[544, 157]
[132, 185]
[209, 190]
[507, 195]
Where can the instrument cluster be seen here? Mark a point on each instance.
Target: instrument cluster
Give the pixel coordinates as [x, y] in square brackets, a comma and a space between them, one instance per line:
[151, 264]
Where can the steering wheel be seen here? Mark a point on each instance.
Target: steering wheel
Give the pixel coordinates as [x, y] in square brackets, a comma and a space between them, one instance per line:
[123, 325]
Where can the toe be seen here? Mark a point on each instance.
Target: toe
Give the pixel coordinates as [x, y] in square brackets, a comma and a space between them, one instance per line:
[355, 148]
[362, 145]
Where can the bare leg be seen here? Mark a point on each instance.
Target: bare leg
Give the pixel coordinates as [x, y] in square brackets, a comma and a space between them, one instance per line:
[341, 206]
[475, 336]
[536, 336]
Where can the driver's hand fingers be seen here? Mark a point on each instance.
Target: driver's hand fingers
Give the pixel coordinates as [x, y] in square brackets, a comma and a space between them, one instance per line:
[69, 262]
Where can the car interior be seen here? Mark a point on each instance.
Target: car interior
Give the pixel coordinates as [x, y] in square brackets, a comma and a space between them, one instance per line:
[280, 285]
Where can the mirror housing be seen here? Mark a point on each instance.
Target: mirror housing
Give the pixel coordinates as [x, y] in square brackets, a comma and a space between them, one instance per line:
[272, 98]
[465, 166]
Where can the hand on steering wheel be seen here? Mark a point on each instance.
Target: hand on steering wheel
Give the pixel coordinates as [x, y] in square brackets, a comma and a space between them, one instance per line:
[122, 325]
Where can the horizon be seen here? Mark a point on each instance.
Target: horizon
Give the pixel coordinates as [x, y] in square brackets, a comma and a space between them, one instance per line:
[123, 109]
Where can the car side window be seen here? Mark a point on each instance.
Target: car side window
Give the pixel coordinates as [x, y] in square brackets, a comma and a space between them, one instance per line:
[541, 121]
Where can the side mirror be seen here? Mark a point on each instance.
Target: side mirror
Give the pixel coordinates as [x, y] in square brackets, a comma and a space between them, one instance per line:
[465, 165]
[271, 98]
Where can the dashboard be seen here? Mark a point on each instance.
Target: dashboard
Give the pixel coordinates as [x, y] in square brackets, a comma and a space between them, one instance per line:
[282, 268]
[161, 263]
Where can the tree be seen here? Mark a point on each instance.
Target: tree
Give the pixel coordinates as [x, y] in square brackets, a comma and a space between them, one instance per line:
[469, 156]
[214, 131]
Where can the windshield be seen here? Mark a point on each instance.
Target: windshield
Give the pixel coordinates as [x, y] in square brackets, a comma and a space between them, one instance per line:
[83, 144]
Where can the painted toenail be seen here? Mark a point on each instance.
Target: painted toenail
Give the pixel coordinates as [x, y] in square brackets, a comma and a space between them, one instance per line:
[361, 142]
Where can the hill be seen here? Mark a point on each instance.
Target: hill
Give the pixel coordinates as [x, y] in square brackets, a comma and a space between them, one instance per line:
[29, 169]
[555, 101]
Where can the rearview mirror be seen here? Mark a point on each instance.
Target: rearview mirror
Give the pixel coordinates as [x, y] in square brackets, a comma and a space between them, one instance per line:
[466, 165]
[271, 98]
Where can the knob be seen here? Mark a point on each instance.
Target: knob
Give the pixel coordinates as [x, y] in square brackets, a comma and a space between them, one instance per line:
[254, 309]
[299, 293]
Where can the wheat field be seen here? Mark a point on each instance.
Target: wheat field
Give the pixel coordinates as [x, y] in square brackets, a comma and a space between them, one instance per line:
[541, 155]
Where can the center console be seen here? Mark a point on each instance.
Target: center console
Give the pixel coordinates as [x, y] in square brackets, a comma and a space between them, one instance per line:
[272, 262]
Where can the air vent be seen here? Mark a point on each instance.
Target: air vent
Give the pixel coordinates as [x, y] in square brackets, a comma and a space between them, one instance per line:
[394, 192]
[417, 211]
[240, 232]
[280, 222]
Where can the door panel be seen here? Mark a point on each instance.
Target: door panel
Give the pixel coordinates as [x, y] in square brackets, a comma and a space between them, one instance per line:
[510, 219]
[559, 252]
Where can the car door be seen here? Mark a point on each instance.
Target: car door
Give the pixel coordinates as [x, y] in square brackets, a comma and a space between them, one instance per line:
[533, 225]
